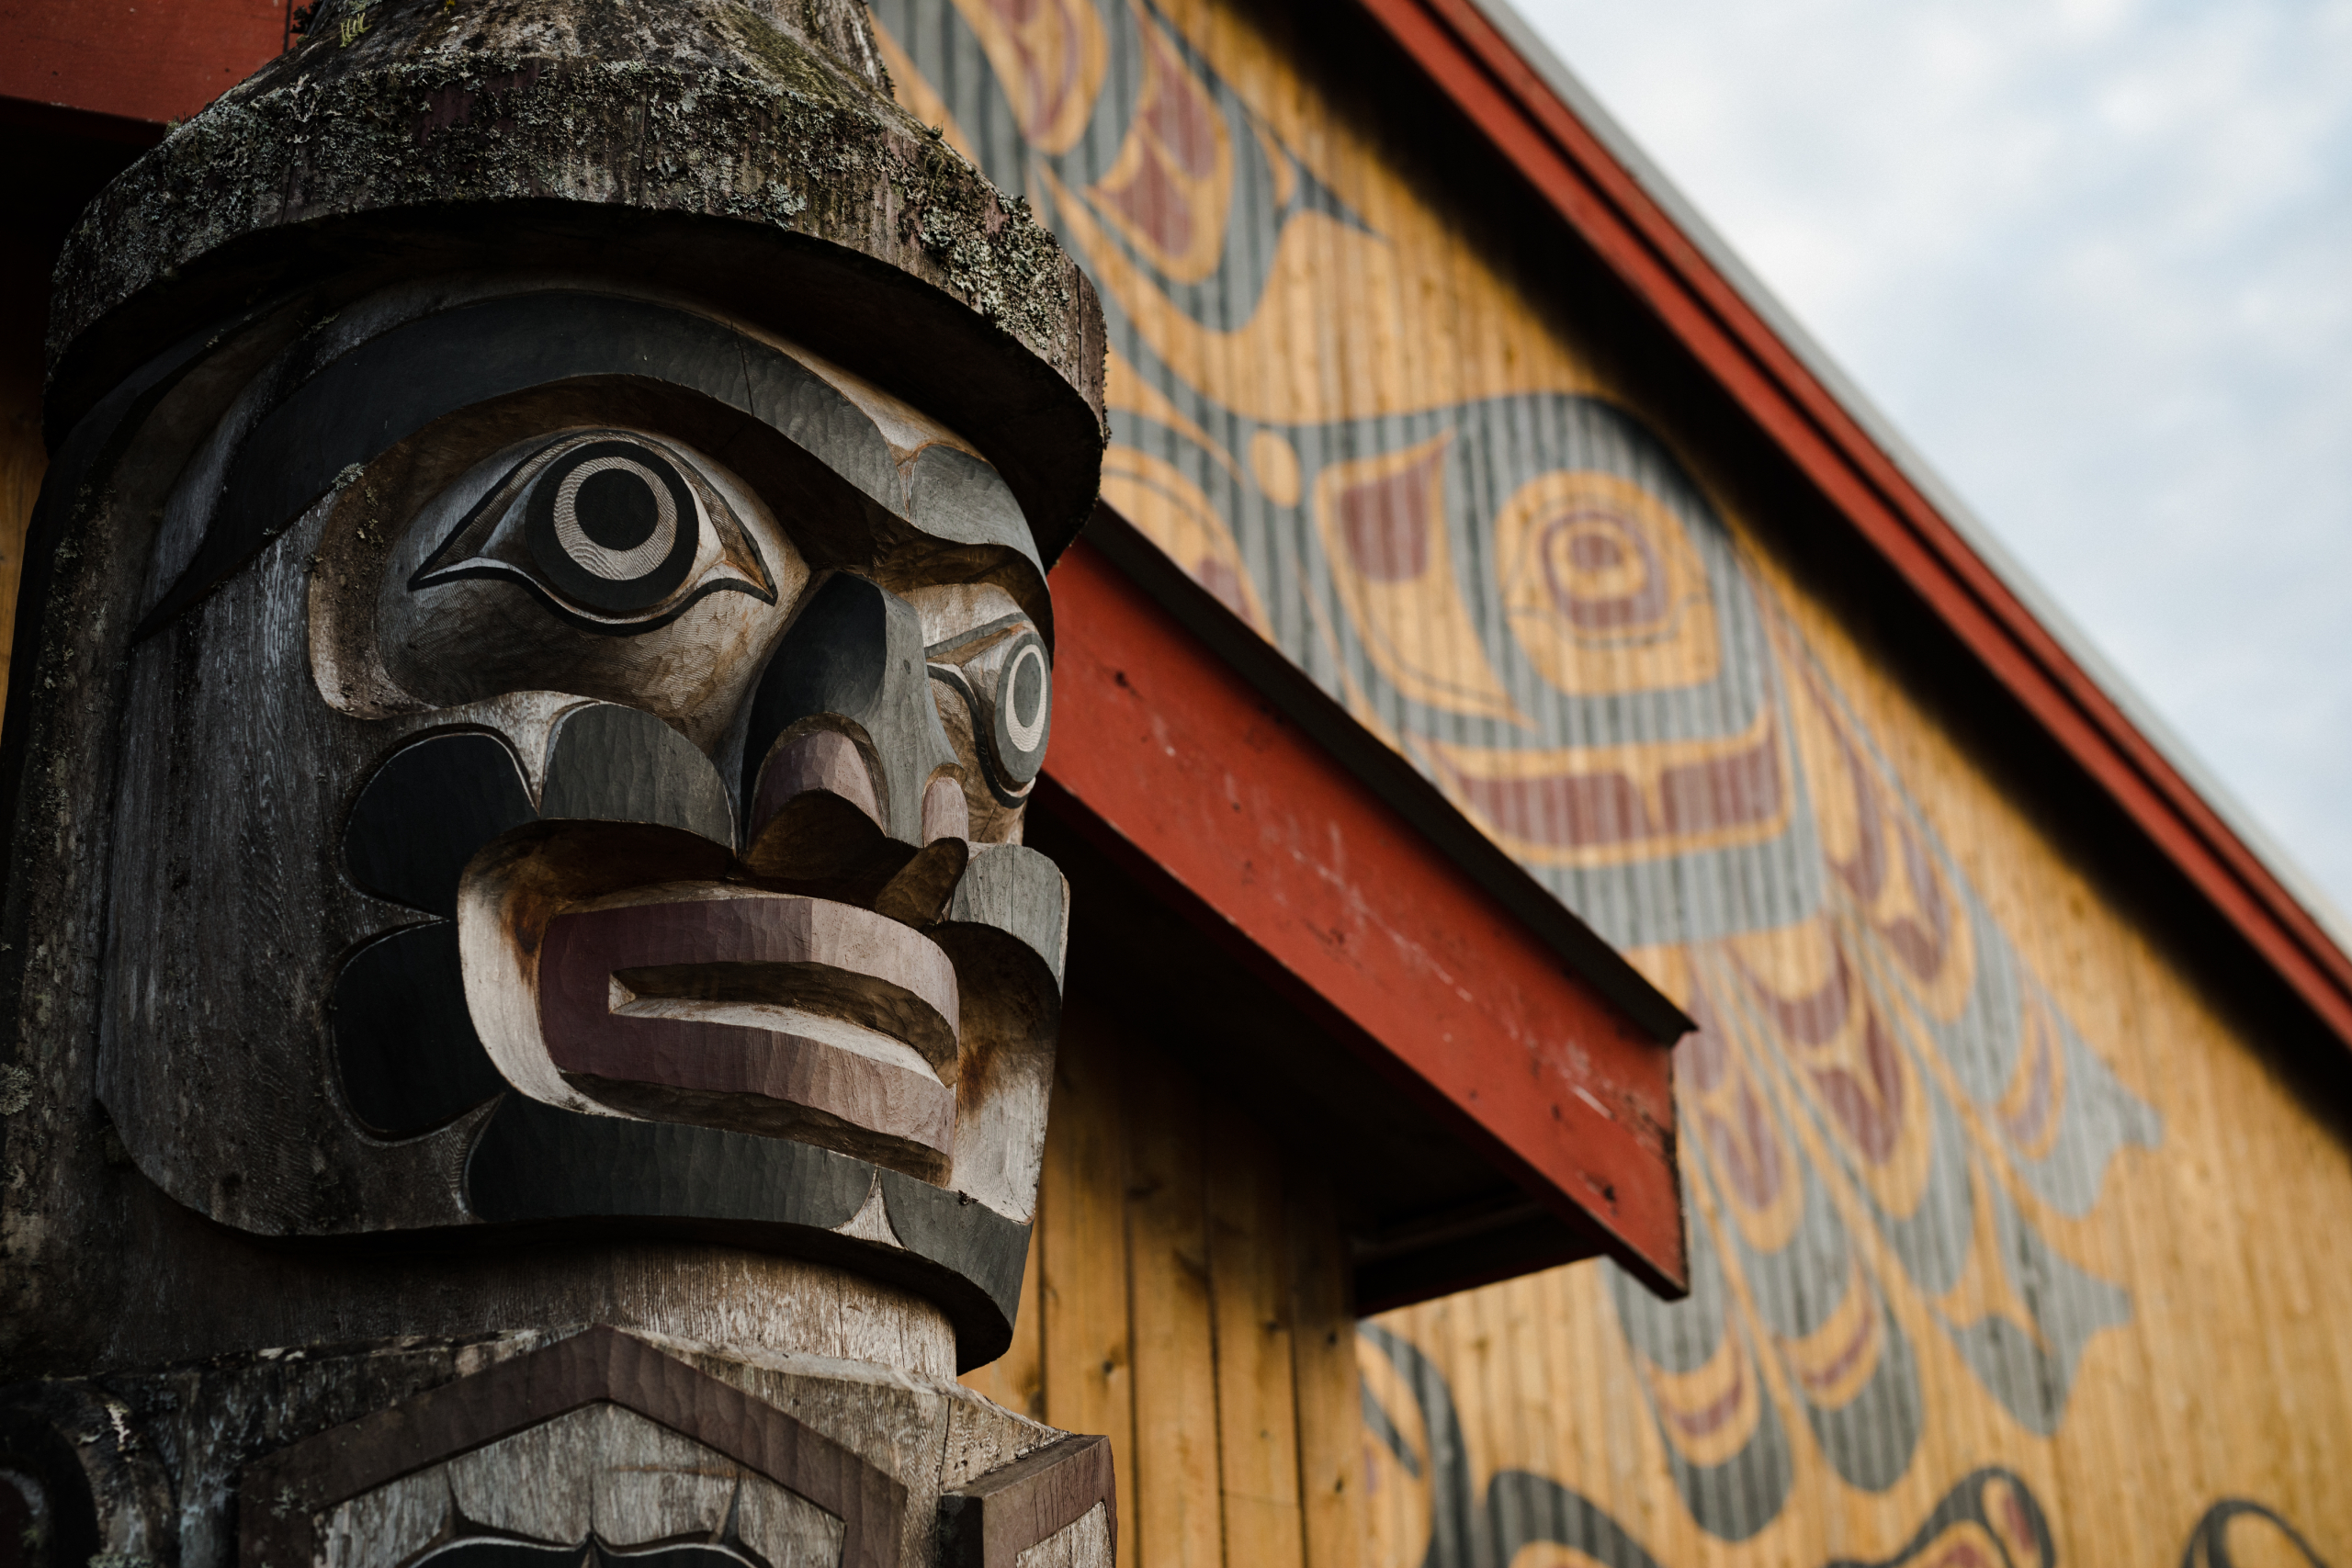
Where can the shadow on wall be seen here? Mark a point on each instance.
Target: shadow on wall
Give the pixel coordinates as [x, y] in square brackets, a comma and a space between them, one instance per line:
[53, 175]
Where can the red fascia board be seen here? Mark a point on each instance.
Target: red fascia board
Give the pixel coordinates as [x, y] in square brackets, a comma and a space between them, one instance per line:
[135, 60]
[1519, 113]
[1165, 755]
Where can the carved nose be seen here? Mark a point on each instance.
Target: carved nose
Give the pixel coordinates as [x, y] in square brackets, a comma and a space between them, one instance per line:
[848, 775]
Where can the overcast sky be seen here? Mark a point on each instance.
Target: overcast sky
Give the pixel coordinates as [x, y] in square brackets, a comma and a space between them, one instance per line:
[2093, 259]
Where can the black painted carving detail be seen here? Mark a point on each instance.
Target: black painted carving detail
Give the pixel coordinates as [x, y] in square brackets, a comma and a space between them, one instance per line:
[392, 386]
[614, 526]
[410, 1058]
[1012, 894]
[971, 1238]
[536, 1162]
[604, 532]
[426, 810]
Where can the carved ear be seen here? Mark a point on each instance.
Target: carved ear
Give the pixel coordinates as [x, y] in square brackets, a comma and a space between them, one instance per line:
[1005, 929]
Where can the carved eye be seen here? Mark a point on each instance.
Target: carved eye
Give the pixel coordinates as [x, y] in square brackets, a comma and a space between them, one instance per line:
[614, 526]
[614, 531]
[1022, 707]
[1006, 678]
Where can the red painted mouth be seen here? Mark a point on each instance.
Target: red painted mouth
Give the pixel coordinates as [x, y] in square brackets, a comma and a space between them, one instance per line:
[769, 1012]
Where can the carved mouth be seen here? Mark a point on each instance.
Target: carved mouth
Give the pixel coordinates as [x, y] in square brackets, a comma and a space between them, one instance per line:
[770, 1012]
[613, 968]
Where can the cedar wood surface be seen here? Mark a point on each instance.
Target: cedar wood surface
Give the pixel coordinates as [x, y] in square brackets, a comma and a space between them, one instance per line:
[1186, 1297]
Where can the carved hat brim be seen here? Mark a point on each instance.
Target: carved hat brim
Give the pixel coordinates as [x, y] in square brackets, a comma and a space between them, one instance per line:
[709, 150]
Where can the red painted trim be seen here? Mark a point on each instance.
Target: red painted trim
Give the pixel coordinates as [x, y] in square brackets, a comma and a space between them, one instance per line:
[1163, 753]
[1506, 101]
[134, 61]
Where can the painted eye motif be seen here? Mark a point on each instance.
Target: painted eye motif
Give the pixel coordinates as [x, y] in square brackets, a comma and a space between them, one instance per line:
[614, 531]
[1006, 679]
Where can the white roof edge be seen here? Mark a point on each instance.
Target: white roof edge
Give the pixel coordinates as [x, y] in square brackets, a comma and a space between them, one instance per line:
[1973, 531]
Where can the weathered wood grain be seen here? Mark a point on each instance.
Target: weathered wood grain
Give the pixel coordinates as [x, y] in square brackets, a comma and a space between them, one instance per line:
[602, 1470]
[1323, 1362]
[994, 1519]
[1016, 1380]
[1089, 1354]
[1249, 1265]
[1247, 1428]
[285, 1492]
[1086, 1544]
[413, 580]
[1179, 1501]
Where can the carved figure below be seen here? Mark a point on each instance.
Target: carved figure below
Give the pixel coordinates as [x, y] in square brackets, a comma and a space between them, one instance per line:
[564, 653]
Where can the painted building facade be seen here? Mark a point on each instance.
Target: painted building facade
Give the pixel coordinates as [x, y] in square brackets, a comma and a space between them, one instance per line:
[2007, 1245]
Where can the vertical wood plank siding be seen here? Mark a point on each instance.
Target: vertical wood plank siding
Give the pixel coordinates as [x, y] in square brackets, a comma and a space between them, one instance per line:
[1188, 1290]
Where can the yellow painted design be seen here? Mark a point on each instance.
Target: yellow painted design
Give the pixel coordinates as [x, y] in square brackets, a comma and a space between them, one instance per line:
[1985, 1289]
[1647, 777]
[1051, 56]
[1125, 389]
[1275, 462]
[1297, 361]
[1602, 586]
[2029, 1111]
[1833, 1363]
[1808, 1004]
[1710, 1412]
[1552, 1554]
[1385, 531]
[2204, 1243]
[1170, 510]
[1170, 191]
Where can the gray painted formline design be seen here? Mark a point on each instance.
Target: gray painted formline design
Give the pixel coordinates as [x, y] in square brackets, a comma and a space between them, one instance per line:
[1975, 533]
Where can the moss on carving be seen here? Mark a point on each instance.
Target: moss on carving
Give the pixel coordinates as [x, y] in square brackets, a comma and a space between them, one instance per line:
[709, 107]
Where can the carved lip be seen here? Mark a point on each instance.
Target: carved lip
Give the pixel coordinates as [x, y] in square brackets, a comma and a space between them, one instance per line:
[769, 1012]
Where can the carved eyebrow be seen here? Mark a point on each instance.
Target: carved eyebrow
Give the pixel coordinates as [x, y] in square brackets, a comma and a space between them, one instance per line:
[990, 631]
[383, 392]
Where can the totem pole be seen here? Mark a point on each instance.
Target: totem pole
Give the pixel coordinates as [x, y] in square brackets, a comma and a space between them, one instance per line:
[530, 1017]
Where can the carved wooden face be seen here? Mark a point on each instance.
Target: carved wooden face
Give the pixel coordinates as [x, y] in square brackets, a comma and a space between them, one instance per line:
[575, 769]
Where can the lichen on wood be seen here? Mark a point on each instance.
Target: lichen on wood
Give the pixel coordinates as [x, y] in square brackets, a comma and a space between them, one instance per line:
[766, 114]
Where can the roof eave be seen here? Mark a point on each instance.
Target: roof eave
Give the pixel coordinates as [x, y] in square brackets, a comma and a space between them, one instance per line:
[1543, 123]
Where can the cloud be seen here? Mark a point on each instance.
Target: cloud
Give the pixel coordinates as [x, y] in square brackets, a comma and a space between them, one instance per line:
[2095, 259]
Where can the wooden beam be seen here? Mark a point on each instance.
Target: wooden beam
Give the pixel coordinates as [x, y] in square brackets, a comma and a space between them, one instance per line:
[136, 62]
[1170, 760]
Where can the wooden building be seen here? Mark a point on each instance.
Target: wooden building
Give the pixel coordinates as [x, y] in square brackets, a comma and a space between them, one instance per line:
[1483, 566]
